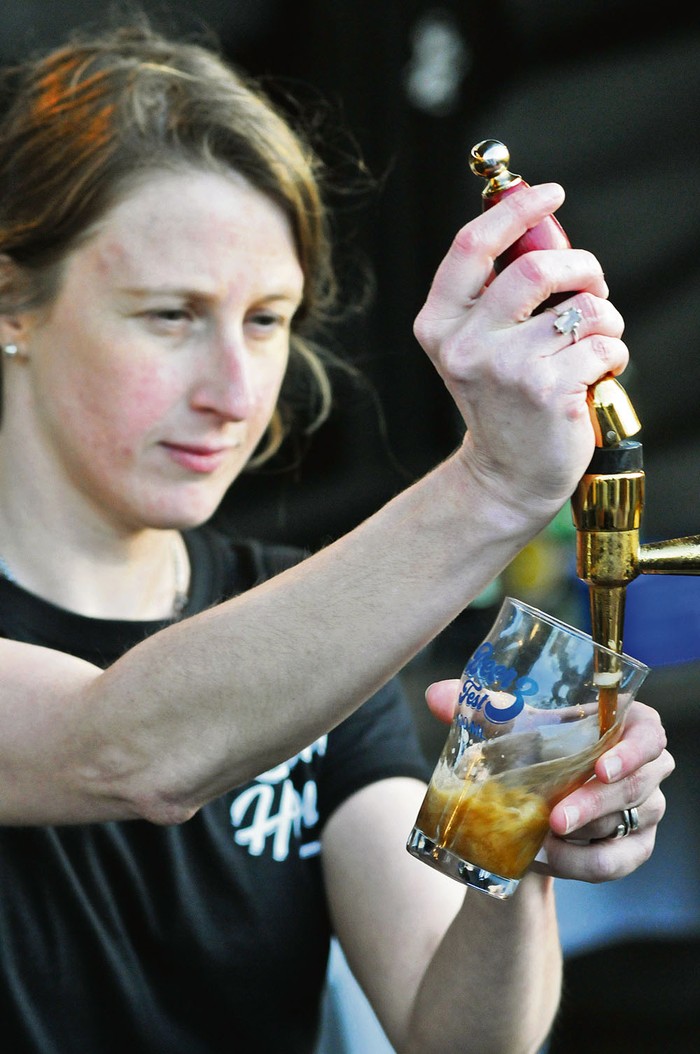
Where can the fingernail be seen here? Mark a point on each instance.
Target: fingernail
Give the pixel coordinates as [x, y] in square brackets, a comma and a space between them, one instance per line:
[612, 766]
[572, 817]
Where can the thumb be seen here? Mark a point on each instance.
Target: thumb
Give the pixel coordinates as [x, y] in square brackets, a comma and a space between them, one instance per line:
[441, 698]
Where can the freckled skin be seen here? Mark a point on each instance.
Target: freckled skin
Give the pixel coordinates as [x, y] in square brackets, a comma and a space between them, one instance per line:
[171, 328]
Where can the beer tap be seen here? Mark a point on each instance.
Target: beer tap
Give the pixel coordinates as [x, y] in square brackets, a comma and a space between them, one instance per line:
[608, 502]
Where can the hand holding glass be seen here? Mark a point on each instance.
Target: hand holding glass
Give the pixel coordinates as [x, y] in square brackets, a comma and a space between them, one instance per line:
[539, 702]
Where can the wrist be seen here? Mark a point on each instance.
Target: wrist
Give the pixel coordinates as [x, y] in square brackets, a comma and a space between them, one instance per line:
[508, 512]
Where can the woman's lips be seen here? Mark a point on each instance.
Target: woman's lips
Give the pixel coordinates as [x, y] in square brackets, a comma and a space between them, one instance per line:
[199, 459]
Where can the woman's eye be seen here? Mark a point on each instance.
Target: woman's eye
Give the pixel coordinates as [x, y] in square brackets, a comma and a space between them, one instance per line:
[266, 319]
[170, 321]
[171, 314]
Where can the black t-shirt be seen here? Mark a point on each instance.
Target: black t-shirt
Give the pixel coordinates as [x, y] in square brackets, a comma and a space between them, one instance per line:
[210, 936]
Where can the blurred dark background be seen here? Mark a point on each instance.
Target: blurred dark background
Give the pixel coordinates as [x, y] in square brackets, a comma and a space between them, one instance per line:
[604, 98]
[591, 94]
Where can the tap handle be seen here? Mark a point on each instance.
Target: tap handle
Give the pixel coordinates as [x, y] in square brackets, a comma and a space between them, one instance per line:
[612, 414]
[490, 160]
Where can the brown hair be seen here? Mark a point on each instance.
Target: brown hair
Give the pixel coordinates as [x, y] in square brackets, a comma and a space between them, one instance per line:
[88, 119]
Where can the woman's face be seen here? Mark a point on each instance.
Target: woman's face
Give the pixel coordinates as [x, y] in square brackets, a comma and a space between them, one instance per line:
[155, 371]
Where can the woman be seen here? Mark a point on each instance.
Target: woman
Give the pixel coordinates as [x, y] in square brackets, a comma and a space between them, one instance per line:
[164, 889]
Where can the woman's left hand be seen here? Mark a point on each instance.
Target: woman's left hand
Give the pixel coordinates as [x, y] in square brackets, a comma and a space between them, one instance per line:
[586, 841]
[591, 839]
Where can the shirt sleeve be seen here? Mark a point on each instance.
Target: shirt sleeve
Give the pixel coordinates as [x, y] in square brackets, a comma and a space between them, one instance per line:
[378, 741]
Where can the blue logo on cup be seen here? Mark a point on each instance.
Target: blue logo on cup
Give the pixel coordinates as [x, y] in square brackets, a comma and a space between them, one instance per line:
[482, 670]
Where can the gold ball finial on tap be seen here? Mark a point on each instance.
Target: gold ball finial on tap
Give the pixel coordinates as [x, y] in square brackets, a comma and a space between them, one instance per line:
[489, 156]
[490, 159]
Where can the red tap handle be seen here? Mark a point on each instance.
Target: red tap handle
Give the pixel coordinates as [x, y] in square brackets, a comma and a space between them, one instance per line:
[490, 160]
[612, 413]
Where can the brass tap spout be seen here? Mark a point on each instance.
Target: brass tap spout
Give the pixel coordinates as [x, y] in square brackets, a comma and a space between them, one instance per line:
[607, 510]
[678, 556]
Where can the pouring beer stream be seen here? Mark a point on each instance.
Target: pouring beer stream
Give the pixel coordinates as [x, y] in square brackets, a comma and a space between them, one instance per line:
[608, 502]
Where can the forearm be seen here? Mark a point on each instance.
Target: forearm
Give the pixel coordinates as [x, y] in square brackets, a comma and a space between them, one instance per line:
[212, 701]
[258, 678]
[494, 982]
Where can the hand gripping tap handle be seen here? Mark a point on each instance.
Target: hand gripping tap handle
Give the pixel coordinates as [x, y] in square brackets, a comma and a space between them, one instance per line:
[612, 413]
[607, 504]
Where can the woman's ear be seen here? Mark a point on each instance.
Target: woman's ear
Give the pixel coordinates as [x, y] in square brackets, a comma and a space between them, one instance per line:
[14, 333]
[15, 319]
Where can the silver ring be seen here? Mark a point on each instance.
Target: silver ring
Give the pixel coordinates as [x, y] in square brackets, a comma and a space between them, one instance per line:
[567, 321]
[630, 822]
[632, 818]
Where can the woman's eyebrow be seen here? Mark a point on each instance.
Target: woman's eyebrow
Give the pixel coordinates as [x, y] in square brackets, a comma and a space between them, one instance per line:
[293, 296]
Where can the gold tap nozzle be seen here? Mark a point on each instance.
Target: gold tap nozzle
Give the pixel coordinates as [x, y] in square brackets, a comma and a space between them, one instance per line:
[607, 509]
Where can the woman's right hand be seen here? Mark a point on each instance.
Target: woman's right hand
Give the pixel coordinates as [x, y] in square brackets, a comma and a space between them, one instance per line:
[519, 385]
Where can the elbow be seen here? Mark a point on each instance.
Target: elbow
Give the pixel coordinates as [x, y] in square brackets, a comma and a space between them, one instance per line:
[163, 810]
[158, 807]
[169, 796]
[134, 792]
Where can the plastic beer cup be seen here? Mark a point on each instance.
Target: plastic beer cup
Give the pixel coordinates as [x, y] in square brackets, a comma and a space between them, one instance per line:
[527, 731]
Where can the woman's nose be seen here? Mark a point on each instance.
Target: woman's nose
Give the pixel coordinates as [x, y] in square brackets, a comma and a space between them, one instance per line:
[224, 384]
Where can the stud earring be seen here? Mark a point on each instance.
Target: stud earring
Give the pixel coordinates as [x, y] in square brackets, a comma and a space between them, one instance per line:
[11, 349]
